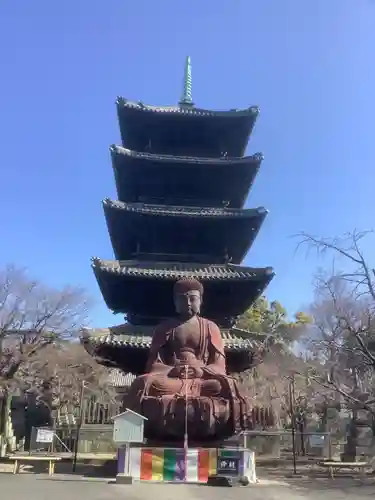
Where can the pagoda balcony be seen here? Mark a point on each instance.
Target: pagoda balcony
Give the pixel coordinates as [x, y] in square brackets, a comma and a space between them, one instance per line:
[187, 234]
[184, 130]
[183, 180]
[146, 289]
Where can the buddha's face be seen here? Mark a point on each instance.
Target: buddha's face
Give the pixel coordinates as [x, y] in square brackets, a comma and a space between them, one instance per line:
[188, 304]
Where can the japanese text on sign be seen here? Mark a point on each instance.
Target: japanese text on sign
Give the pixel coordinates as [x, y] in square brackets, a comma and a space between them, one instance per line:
[228, 466]
[44, 436]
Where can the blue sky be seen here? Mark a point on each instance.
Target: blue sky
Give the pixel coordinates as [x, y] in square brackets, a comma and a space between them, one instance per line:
[308, 65]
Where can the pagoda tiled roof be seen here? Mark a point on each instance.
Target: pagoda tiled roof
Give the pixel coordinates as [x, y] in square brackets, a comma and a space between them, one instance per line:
[117, 378]
[221, 179]
[170, 210]
[183, 160]
[173, 271]
[121, 102]
[233, 339]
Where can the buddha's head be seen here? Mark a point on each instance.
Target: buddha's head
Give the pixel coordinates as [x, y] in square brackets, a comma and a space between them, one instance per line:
[187, 296]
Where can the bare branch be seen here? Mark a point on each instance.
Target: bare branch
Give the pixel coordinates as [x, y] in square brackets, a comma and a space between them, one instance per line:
[344, 320]
[33, 316]
[349, 248]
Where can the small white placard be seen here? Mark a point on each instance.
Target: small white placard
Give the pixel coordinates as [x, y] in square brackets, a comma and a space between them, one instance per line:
[44, 436]
[317, 441]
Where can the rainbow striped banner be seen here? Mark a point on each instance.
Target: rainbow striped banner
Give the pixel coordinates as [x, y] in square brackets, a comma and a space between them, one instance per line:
[172, 464]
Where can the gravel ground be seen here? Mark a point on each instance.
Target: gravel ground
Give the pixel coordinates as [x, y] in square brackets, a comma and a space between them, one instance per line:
[61, 487]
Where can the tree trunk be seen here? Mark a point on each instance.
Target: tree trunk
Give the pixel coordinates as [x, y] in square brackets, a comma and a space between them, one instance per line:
[3, 406]
[324, 419]
[350, 450]
[301, 428]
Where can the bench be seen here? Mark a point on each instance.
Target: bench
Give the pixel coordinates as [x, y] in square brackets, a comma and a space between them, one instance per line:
[17, 459]
[334, 466]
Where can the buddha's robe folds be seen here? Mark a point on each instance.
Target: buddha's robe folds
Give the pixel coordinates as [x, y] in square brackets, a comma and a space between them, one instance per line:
[186, 377]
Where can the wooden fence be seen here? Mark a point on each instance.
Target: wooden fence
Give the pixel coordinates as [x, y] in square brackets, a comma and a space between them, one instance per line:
[93, 413]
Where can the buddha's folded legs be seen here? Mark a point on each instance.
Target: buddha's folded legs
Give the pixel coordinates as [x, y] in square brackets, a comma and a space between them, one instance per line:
[161, 385]
[213, 405]
[206, 416]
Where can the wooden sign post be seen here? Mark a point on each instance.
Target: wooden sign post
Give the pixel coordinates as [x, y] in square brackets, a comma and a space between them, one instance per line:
[128, 428]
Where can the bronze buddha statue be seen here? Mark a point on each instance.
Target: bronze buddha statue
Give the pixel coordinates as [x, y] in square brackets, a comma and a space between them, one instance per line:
[185, 384]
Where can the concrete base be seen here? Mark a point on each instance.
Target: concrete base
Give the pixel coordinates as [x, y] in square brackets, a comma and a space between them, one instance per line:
[219, 481]
[124, 479]
[216, 480]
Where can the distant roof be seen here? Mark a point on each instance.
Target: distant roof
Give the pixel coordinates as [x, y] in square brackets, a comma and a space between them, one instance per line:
[118, 378]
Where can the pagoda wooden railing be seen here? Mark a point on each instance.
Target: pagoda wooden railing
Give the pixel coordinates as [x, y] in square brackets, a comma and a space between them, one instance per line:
[179, 257]
[181, 202]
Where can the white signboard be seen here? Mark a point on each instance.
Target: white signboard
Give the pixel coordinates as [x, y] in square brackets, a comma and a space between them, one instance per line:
[317, 441]
[44, 435]
[128, 427]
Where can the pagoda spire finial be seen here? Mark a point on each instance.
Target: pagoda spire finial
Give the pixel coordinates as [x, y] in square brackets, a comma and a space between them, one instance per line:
[186, 99]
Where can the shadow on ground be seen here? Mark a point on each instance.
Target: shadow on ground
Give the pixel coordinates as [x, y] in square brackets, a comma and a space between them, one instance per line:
[314, 479]
[90, 469]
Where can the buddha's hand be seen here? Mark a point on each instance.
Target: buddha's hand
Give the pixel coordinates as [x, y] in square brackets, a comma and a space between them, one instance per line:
[185, 371]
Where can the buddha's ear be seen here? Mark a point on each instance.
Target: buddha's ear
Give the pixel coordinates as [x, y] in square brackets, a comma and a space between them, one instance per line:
[201, 301]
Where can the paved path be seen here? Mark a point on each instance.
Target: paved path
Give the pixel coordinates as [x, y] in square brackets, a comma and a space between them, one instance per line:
[62, 488]
[41, 487]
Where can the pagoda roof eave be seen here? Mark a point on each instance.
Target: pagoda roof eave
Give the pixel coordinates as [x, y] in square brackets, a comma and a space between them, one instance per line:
[116, 150]
[231, 340]
[174, 180]
[174, 271]
[184, 211]
[129, 334]
[233, 231]
[125, 347]
[123, 103]
[145, 289]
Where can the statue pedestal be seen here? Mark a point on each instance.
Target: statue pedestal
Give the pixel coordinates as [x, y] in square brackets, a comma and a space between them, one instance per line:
[195, 465]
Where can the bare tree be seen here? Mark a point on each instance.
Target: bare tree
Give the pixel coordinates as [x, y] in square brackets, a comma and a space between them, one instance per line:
[344, 317]
[32, 317]
[344, 321]
[334, 345]
[56, 374]
[357, 271]
[268, 383]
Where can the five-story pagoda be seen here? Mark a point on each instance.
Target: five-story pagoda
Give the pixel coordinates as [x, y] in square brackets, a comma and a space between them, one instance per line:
[182, 180]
